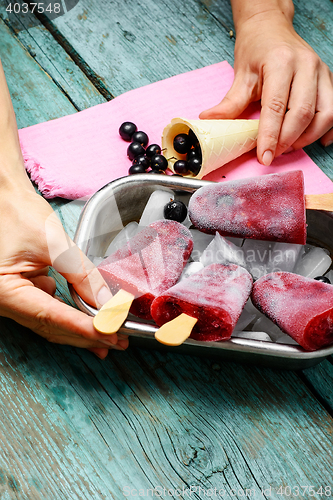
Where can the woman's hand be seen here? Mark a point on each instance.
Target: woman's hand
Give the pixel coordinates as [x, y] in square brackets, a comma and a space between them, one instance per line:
[274, 64]
[32, 238]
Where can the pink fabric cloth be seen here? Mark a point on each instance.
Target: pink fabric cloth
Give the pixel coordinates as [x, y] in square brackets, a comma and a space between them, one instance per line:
[74, 156]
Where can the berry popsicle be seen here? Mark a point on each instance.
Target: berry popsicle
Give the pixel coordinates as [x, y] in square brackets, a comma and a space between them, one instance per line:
[267, 207]
[151, 262]
[212, 299]
[301, 307]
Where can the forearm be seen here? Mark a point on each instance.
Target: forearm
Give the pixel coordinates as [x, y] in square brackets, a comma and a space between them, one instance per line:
[244, 10]
[12, 172]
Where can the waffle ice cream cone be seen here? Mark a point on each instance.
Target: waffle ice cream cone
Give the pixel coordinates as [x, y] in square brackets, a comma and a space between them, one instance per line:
[220, 140]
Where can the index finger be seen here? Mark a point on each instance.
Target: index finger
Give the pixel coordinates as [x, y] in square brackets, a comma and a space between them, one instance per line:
[274, 100]
[45, 315]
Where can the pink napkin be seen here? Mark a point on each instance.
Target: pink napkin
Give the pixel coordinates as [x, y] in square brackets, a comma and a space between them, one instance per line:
[74, 156]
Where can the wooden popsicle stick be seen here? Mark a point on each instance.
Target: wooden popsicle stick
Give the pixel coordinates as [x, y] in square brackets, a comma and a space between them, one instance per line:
[319, 201]
[112, 315]
[176, 331]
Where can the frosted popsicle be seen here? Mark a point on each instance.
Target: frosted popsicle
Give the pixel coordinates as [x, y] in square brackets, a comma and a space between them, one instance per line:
[215, 296]
[267, 207]
[301, 307]
[151, 262]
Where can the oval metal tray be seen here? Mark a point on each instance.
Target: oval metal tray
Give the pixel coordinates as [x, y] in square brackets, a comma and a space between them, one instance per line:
[123, 201]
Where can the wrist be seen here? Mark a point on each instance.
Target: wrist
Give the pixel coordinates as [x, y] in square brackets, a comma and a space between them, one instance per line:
[13, 175]
[261, 10]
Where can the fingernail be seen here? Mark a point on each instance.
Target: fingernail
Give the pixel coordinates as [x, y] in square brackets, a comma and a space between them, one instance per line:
[328, 144]
[103, 296]
[289, 150]
[267, 158]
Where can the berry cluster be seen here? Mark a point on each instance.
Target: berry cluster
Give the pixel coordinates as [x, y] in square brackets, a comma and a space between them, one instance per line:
[187, 144]
[143, 157]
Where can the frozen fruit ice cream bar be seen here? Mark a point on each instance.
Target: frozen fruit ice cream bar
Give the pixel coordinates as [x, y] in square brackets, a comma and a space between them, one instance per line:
[301, 307]
[267, 207]
[215, 296]
[150, 263]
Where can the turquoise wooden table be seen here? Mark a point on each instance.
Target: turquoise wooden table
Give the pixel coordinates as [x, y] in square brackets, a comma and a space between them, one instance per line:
[142, 423]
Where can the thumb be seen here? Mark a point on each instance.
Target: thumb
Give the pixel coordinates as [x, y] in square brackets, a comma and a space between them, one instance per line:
[233, 104]
[74, 265]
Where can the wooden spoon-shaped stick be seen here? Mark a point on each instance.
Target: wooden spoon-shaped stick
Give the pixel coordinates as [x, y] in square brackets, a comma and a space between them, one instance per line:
[176, 331]
[113, 314]
[319, 201]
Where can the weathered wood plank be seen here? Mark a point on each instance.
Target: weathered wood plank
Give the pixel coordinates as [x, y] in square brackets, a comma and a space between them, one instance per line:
[320, 379]
[53, 59]
[145, 420]
[136, 44]
[35, 97]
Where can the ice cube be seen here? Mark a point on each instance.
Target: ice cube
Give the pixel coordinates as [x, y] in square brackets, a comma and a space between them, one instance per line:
[329, 275]
[97, 260]
[264, 324]
[200, 243]
[222, 251]
[154, 209]
[285, 256]
[253, 336]
[122, 237]
[236, 241]
[244, 320]
[187, 222]
[258, 257]
[251, 308]
[313, 263]
[191, 268]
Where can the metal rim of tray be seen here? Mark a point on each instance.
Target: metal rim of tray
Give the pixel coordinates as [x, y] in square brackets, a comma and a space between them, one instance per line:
[145, 330]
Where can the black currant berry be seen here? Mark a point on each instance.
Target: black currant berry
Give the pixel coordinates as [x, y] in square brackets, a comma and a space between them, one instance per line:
[175, 210]
[153, 149]
[135, 149]
[182, 144]
[159, 162]
[142, 160]
[192, 154]
[137, 169]
[194, 165]
[126, 130]
[181, 167]
[197, 150]
[193, 138]
[323, 279]
[140, 137]
[162, 172]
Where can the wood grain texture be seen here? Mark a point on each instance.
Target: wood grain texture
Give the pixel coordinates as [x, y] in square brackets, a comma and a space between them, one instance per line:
[35, 96]
[81, 428]
[319, 201]
[54, 60]
[74, 427]
[140, 43]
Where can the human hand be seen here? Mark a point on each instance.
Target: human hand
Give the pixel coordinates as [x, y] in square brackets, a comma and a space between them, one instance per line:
[32, 239]
[274, 64]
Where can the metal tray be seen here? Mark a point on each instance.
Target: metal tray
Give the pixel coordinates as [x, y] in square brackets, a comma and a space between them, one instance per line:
[122, 201]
